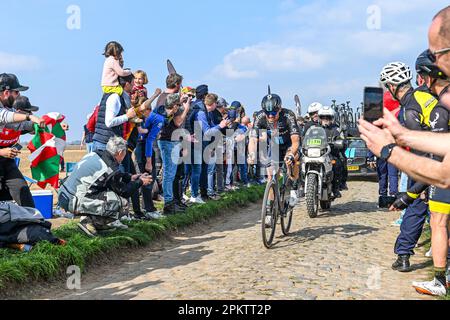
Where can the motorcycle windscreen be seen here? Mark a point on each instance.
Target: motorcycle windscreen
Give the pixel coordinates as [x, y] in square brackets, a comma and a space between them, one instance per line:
[316, 137]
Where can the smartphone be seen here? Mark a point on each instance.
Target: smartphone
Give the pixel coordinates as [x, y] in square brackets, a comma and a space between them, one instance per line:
[17, 146]
[373, 103]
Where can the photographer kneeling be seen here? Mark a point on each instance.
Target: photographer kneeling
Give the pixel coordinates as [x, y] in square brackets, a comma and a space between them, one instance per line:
[97, 188]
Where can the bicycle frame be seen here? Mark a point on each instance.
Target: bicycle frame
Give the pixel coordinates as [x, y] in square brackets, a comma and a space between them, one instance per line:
[276, 175]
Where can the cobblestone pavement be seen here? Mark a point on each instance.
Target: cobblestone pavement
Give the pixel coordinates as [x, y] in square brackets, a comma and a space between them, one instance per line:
[345, 253]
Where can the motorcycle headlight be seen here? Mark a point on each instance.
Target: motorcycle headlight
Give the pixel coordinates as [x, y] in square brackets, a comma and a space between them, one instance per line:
[314, 153]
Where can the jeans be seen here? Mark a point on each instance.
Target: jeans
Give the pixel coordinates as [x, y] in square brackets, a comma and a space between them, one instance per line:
[243, 173]
[220, 176]
[195, 169]
[211, 167]
[97, 146]
[170, 154]
[89, 147]
[147, 191]
[388, 175]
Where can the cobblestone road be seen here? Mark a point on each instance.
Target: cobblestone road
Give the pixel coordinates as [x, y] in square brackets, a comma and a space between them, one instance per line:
[343, 254]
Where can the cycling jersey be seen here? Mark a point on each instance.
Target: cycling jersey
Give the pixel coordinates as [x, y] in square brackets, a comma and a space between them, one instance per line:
[279, 132]
[418, 106]
[439, 198]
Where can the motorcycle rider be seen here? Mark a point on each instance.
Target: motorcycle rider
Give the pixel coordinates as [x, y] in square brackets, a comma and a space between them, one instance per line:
[279, 127]
[326, 117]
[313, 112]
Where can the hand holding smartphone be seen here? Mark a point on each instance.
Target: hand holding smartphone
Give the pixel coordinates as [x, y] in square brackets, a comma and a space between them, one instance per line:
[373, 104]
[17, 146]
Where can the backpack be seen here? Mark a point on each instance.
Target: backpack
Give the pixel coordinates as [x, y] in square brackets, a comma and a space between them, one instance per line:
[92, 122]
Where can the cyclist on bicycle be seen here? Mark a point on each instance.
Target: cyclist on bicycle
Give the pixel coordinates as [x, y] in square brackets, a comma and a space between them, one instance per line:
[277, 126]
[334, 133]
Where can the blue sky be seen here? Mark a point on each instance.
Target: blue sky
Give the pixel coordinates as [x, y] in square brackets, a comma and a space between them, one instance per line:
[321, 50]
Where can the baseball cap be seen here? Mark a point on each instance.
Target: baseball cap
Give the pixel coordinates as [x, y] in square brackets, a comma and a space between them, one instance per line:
[202, 91]
[236, 105]
[9, 81]
[188, 90]
[222, 103]
[22, 103]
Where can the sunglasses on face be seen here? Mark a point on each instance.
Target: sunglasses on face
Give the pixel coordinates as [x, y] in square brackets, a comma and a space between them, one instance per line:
[432, 55]
[271, 113]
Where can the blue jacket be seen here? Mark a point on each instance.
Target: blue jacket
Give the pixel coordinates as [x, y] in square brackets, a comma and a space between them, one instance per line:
[154, 123]
[207, 122]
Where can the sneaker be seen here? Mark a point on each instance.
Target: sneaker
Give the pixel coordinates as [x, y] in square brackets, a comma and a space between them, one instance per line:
[293, 201]
[88, 227]
[448, 275]
[197, 200]
[126, 218]
[432, 288]
[154, 215]
[182, 204]
[214, 197]
[117, 224]
[429, 254]
[260, 182]
[397, 223]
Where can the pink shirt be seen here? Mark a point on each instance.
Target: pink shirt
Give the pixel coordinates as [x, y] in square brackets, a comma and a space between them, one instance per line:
[112, 71]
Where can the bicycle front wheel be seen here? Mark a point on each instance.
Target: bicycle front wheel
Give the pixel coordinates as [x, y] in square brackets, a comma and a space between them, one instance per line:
[269, 214]
[287, 210]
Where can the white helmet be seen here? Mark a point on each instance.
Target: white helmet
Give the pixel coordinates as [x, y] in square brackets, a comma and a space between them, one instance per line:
[396, 73]
[327, 111]
[314, 107]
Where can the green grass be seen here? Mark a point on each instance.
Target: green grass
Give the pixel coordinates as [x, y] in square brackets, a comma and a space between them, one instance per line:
[47, 261]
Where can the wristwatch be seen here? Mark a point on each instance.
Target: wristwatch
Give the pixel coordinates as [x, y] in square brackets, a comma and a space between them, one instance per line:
[386, 152]
[28, 117]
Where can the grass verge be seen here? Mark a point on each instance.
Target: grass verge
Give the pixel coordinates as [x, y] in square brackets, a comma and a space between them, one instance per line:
[47, 261]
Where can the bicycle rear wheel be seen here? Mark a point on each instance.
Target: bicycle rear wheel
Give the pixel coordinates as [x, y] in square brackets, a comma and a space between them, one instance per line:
[269, 212]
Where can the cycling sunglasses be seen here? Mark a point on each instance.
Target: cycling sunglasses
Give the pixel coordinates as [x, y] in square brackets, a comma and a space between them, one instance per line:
[271, 113]
[432, 54]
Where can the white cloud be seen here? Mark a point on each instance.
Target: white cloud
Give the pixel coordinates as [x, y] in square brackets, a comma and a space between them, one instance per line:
[338, 87]
[15, 62]
[381, 44]
[251, 61]
[318, 13]
[400, 7]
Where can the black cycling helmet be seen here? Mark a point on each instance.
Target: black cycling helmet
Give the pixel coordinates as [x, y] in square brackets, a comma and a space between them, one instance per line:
[271, 103]
[424, 65]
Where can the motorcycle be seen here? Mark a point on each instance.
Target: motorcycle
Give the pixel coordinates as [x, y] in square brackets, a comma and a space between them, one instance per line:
[317, 170]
